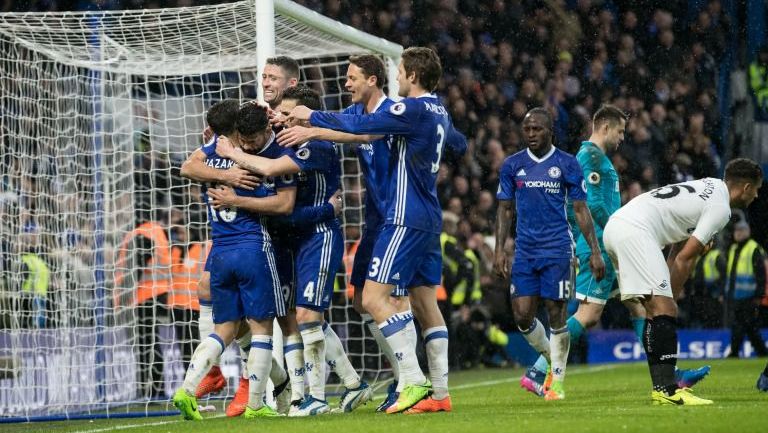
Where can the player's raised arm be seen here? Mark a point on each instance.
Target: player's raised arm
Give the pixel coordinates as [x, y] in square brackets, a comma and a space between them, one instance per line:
[279, 204]
[587, 226]
[297, 135]
[455, 142]
[257, 164]
[399, 119]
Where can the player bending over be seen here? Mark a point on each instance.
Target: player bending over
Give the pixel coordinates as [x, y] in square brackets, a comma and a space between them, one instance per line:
[686, 216]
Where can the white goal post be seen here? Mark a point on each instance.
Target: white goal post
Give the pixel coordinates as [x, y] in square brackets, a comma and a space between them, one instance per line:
[97, 112]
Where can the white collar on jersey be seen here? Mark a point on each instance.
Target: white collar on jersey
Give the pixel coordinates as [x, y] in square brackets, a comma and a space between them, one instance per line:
[378, 104]
[543, 158]
[427, 95]
[269, 143]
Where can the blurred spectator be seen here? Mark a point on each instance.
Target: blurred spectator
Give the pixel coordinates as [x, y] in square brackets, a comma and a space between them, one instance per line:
[142, 282]
[758, 80]
[745, 286]
[704, 292]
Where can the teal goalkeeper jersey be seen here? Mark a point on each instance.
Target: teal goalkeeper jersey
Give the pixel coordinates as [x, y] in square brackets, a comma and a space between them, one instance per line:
[603, 197]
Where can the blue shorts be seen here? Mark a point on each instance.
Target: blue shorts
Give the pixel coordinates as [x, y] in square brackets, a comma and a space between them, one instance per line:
[546, 278]
[318, 257]
[403, 256]
[207, 266]
[588, 288]
[284, 264]
[244, 284]
[363, 260]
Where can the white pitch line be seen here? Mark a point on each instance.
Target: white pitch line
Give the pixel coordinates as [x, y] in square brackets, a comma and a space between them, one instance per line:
[465, 386]
[127, 426]
[130, 426]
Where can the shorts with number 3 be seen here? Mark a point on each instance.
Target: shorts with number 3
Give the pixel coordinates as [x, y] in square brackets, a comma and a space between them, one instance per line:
[406, 256]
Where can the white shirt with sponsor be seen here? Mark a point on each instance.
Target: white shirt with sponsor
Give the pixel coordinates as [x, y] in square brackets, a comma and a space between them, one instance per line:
[673, 213]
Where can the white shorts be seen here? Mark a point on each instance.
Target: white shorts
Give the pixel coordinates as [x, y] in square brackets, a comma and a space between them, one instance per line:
[638, 260]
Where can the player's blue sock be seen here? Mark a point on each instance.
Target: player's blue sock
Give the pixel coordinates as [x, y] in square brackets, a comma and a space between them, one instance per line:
[541, 364]
[639, 324]
[575, 328]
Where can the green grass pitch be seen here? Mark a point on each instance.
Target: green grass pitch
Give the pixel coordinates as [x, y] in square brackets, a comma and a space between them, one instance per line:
[602, 398]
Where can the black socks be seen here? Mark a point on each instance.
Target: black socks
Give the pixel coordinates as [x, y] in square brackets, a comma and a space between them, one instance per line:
[660, 342]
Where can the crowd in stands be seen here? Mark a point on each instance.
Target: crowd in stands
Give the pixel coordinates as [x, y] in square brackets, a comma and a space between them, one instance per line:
[655, 60]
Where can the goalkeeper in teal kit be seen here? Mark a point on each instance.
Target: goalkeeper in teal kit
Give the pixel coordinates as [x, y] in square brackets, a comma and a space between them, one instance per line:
[603, 199]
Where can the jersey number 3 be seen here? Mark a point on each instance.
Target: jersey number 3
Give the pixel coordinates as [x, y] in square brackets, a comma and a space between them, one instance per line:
[440, 142]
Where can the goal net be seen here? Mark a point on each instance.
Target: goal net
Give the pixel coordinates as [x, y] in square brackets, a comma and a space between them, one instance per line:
[98, 112]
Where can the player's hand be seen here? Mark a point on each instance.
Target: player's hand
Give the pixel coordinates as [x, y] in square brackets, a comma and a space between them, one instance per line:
[501, 265]
[237, 177]
[222, 196]
[277, 118]
[225, 148]
[337, 201]
[207, 134]
[708, 247]
[294, 136]
[597, 265]
[299, 113]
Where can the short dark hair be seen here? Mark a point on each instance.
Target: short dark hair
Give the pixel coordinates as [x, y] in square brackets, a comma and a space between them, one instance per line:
[425, 64]
[610, 114]
[304, 95]
[372, 66]
[541, 111]
[222, 116]
[743, 170]
[287, 64]
[252, 118]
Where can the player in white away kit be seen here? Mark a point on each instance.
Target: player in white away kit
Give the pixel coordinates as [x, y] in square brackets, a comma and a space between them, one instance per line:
[686, 216]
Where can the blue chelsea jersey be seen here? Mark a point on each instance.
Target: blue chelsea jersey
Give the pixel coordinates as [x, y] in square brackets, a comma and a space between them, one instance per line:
[319, 179]
[374, 164]
[232, 227]
[541, 188]
[422, 128]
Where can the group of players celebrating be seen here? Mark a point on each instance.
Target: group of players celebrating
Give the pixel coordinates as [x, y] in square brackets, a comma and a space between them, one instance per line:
[273, 193]
[273, 201]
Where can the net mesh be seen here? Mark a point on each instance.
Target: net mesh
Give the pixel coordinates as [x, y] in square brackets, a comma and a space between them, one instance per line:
[98, 113]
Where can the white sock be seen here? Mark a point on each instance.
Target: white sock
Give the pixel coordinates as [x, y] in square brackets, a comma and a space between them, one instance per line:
[537, 338]
[259, 364]
[294, 361]
[560, 343]
[394, 330]
[245, 347]
[436, 342]
[277, 373]
[314, 357]
[337, 359]
[413, 338]
[205, 324]
[382, 342]
[202, 360]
